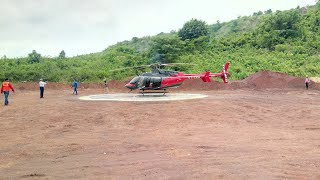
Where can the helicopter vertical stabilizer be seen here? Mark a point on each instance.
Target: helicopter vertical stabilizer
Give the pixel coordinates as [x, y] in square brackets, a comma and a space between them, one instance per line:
[226, 66]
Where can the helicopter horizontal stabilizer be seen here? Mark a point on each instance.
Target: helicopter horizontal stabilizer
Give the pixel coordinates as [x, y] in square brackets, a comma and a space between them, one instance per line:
[206, 77]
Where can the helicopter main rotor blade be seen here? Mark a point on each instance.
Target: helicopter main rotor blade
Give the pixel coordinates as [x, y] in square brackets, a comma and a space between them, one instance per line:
[175, 64]
[126, 68]
[153, 66]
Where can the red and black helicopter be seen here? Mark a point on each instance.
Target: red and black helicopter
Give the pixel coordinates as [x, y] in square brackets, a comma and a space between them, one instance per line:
[160, 79]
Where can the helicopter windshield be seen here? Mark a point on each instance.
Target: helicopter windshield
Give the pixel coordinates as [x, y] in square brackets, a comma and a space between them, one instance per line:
[135, 80]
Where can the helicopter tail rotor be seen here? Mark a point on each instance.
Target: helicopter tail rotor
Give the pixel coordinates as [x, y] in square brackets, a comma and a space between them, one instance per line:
[224, 72]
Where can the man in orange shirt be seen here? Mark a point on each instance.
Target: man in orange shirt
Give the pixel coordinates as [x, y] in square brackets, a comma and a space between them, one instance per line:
[5, 88]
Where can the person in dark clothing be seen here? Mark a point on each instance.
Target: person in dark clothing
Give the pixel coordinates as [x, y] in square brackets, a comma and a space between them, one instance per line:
[75, 87]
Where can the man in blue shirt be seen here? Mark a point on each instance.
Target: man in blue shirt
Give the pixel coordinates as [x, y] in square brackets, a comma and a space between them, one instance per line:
[75, 87]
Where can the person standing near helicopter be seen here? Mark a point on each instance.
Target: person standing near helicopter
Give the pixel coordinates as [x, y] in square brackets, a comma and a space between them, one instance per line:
[75, 87]
[307, 81]
[106, 88]
[5, 89]
[41, 85]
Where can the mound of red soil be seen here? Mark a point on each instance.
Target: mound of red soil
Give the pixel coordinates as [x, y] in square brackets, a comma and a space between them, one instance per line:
[260, 80]
[268, 79]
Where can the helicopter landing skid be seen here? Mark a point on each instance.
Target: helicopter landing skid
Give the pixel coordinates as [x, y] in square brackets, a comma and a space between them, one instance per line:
[153, 92]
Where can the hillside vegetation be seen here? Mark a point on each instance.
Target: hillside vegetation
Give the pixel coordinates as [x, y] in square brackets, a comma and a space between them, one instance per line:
[282, 41]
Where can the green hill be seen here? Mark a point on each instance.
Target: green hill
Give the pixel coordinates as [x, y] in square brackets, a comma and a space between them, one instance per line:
[283, 41]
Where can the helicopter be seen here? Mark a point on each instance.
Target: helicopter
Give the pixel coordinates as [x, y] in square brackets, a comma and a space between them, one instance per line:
[160, 79]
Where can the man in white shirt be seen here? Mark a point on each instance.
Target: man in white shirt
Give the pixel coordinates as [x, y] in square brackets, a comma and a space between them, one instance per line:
[42, 84]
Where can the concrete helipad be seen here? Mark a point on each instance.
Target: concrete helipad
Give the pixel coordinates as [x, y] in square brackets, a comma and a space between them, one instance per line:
[141, 97]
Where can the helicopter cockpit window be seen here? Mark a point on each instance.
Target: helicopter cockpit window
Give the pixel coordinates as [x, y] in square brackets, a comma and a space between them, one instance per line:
[134, 80]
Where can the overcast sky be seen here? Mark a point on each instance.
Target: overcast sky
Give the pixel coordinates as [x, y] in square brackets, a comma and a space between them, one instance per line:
[88, 26]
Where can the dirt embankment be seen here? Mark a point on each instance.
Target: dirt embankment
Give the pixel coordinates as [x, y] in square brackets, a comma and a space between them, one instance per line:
[260, 80]
[268, 79]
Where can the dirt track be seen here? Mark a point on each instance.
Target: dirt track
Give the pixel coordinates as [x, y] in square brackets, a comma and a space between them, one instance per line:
[232, 134]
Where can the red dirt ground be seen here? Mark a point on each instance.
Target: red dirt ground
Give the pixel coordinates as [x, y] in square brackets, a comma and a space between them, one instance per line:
[264, 127]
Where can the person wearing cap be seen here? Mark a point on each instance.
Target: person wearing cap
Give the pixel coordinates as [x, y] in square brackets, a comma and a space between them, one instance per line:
[41, 85]
[5, 88]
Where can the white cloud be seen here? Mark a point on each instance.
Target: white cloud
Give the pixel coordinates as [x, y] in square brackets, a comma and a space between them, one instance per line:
[83, 26]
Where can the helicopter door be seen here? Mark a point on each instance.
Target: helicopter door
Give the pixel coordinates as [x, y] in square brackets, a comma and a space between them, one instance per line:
[142, 82]
[147, 81]
[156, 82]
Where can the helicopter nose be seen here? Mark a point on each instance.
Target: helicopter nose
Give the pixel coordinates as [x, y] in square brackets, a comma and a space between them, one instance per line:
[130, 86]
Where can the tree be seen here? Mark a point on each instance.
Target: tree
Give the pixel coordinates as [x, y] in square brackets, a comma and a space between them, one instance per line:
[135, 39]
[34, 57]
[217, 26]
[234, 26]
[278, 28]
[62, 55]
[269, 11]
[165, 49]
[259, 13]
[193, 29]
